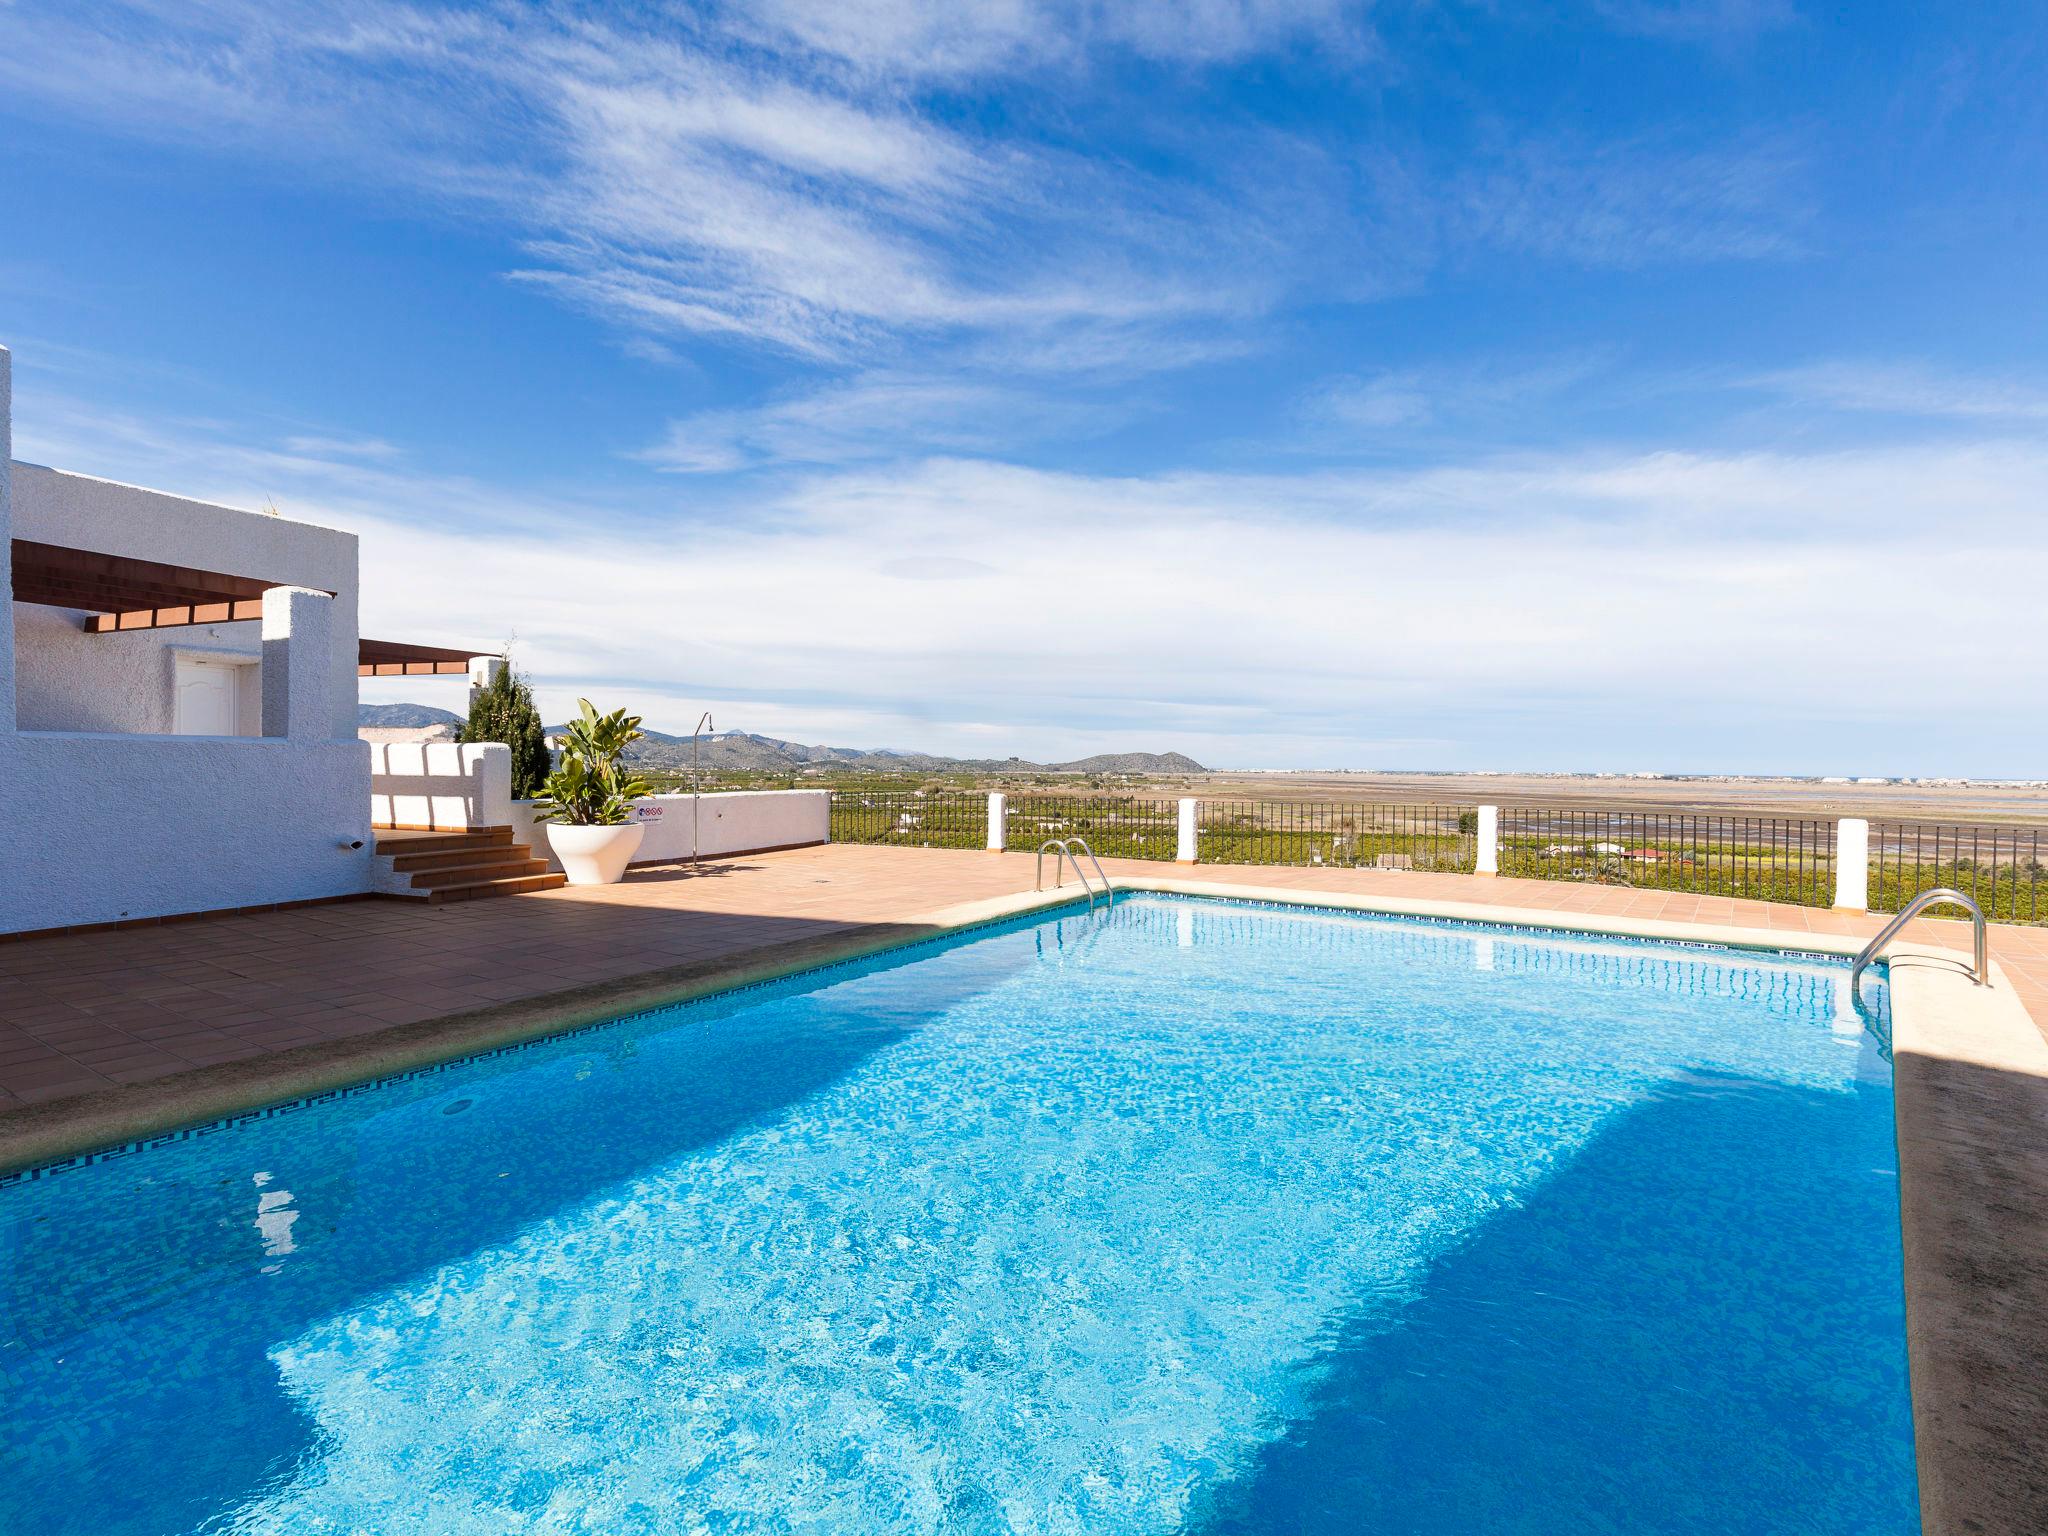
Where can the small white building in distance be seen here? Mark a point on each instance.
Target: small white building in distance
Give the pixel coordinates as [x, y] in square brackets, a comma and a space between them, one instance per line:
[177, 703]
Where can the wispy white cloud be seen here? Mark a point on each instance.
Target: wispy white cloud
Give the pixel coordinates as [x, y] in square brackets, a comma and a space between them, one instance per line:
[373, 448]
[1697, 20]
[785, 177]
[660, 177]
[1910, 389]
[1632, 204]
[946, 38]
[1272, 618]
[877, 416]
[1382, 400]
[1290, 618]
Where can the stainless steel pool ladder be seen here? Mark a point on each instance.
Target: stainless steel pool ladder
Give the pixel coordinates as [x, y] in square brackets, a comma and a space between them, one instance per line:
[1947, 895]
[1066, 848]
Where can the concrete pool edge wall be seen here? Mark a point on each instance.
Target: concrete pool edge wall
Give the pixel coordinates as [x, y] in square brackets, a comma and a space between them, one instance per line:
[1971, 1096]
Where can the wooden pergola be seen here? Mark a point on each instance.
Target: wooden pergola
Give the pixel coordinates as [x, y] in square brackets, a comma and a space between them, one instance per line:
[393, 658]
[124, 592]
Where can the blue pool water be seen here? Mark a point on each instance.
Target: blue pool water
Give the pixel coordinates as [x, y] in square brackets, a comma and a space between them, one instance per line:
[1187, 1217]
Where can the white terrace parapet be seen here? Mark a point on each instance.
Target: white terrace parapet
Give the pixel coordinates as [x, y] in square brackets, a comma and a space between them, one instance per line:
[728, 822]
[441, 786]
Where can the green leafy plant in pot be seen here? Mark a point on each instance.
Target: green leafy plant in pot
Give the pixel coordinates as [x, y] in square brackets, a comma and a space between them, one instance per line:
[588, 799]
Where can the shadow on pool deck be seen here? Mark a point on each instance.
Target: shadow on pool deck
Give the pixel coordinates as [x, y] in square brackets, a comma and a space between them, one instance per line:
[147, 1318]
[460, 979]
[1681, 1331]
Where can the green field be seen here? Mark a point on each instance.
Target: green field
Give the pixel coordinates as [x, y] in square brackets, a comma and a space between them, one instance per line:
[1708, 869]
[940, 819]
[1113, 826]
[2008, 892]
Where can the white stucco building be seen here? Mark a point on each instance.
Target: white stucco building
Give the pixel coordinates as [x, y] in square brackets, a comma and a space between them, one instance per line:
[177, 703]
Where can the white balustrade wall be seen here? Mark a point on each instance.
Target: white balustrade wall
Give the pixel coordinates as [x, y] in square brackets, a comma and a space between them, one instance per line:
[715, 825]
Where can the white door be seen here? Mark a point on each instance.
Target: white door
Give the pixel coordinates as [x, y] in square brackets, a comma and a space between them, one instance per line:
[206, 698]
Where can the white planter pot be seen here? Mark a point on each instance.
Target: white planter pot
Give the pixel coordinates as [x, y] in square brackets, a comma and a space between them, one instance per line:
[595, 855]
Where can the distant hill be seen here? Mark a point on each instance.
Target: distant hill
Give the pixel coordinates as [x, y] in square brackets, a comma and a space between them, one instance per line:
[1133, 762]
[405, 715]
[740, 751]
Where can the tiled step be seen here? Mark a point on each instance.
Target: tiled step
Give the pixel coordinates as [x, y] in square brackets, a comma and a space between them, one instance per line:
[456, 858]
[515, 863]
[394, 844]
[510, 886]
[459, 866]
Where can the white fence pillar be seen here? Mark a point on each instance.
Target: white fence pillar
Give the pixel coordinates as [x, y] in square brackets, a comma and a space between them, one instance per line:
[1488, 841]
[1852, 864]
[998, 822]
[1186, 852]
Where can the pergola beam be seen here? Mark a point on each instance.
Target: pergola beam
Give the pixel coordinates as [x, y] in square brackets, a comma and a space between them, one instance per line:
[57, 576]
[175, 618]
[412, 669]
[123, 592]
[396, 658]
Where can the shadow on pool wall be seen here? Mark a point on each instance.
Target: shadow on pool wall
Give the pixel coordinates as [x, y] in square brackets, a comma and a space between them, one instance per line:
[334, 1189]
[1489, 1402]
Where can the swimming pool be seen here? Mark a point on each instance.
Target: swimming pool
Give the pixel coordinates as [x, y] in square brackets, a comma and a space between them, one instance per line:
[1182, 1217]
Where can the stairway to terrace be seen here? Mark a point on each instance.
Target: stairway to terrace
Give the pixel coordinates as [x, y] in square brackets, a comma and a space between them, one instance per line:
[465, 865]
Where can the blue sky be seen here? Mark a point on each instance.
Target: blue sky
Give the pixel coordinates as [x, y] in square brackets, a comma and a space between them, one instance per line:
[1617, 385]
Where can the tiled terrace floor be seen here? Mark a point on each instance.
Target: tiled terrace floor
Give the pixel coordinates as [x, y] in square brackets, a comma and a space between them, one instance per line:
[85, 1012]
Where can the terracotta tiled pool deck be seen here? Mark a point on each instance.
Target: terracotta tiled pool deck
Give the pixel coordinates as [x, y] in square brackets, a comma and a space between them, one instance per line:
[86, 1013]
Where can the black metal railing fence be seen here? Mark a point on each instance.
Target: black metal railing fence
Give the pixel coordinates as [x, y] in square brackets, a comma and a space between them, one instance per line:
[1759, 858]
[2000, 868]
[911, 819]
[1113, 826]
[1763, 858]
[1341, 834]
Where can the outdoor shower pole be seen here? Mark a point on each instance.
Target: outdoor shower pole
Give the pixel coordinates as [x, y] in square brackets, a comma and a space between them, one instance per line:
[696, 842]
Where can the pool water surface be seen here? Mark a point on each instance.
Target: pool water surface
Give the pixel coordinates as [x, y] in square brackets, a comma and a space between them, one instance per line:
[1183, 1217]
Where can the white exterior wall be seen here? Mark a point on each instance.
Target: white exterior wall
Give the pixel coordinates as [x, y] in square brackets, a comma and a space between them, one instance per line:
[734, 821]
[104, 828]
[444, 785]
[123, 822]
[68, 680]
[102, 673]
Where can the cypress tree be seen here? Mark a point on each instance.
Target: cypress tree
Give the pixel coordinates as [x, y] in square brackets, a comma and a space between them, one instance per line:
[504, 712]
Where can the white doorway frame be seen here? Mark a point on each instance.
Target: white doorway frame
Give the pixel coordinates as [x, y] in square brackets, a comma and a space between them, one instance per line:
[229, 667]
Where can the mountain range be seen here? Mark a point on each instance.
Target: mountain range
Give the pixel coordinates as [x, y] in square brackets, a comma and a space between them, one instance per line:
[743, 751]
[401, 716]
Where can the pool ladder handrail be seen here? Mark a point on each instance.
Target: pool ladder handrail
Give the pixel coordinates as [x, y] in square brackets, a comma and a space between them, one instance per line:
[1065, 848]
[1943, 896]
